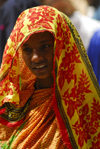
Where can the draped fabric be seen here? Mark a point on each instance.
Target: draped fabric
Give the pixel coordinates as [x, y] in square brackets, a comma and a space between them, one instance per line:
[9, 12]
[40, 128]
[75, 93]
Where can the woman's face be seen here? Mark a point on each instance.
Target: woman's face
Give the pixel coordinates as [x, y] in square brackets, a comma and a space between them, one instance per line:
[37, 53]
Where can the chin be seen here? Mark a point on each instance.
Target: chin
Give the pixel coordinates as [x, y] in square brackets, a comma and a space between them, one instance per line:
[42, 77]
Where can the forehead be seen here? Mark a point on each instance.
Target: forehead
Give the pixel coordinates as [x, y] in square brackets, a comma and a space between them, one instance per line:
[40, 37]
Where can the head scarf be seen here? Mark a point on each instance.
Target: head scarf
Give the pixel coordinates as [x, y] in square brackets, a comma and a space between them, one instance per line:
[76, 93]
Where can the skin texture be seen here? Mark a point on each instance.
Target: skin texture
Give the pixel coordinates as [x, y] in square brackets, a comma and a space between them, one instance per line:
[38, 55]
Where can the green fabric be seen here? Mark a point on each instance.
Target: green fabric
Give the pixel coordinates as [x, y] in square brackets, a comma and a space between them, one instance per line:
[8, 145]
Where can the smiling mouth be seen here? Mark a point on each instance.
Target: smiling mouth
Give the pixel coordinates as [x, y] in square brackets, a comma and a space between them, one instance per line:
[40, 67]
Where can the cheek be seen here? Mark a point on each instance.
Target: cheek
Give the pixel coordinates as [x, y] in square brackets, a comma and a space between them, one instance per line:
[26, 58]
[50, 58]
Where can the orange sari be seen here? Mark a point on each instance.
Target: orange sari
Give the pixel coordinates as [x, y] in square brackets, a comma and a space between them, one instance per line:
[72, 112]
[40, 128]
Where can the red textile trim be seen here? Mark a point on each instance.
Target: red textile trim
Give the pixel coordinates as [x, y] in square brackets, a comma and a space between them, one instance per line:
[62, 126]
[10, 124]
[2, 111]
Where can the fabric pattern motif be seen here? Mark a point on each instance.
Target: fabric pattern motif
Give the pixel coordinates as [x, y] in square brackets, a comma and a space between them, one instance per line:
[76, 91]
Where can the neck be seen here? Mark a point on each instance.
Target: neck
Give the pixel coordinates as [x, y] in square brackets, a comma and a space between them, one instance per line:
[44, 83]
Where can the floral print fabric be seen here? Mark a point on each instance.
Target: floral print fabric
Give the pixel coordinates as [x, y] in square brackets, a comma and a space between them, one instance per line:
[76, 92]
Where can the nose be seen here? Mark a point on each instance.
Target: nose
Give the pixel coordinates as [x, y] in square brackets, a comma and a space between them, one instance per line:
[36, 56]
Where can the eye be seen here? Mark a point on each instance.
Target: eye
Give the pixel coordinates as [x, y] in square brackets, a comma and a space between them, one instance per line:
[46, 46]
[27, 49]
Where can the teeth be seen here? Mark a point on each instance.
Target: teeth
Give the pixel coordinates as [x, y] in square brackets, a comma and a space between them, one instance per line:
[41, 66]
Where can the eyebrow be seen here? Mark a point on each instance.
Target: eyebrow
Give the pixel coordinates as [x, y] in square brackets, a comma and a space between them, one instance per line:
[25, 45]
[44, 41]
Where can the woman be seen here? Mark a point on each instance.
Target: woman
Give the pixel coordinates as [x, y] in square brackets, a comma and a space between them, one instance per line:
[49, 94]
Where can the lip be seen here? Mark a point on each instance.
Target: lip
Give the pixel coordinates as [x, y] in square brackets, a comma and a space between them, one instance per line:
[40, 68]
